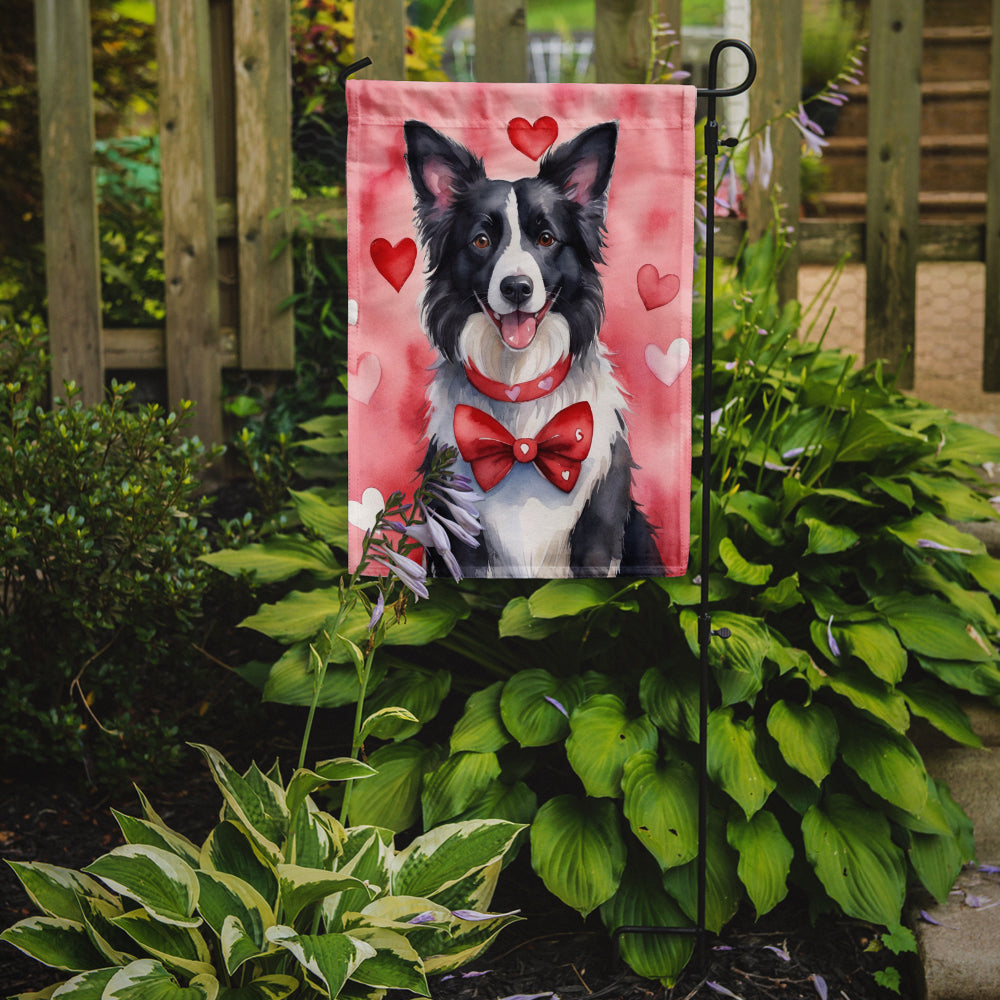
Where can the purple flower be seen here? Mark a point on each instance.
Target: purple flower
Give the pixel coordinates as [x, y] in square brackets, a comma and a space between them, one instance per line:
[719, 988]
[834, 648]
[475, 915]
[761, 163]
[811, 132]
[411, 574]
[820, 983]
[927, 543]
[377, 611]
[452, 527]
[780, 952]
[427, 917]
[558, 705]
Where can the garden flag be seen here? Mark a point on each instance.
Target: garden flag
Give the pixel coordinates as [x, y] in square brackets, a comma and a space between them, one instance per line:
[520, 274]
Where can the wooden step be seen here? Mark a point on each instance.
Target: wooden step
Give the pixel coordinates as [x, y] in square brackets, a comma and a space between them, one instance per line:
[956, 53]
[957, 206]
[945, 12]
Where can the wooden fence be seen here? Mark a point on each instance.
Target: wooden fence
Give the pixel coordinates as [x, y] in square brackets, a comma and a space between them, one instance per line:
[226, 161]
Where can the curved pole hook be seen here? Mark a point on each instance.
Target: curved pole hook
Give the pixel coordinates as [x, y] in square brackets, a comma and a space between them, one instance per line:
[353, 68]
[713, 69]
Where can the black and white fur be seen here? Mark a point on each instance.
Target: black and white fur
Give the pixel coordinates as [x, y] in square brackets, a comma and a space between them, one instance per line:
[528, 250]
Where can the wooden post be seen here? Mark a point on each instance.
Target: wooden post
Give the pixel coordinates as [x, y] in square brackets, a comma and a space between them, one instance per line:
[622, 40]
[776, 34]
[501, 41]
[261, 41]
[380, 34]
[190, 254]
[72, 255]
[893, 184]
[991, 333]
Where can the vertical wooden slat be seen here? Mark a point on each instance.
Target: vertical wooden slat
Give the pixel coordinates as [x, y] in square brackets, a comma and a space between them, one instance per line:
[669, 11]
[190, 255]
[621, 40]
[380, 34]
[72, 257]
[991, 332]
[893, 183]
[776, 35]
[501, 41]
[261, 56]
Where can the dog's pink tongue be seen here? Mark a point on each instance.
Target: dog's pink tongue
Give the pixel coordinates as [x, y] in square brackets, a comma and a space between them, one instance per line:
[517, 329]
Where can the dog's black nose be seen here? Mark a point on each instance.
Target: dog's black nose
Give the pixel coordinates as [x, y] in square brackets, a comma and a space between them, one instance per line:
[516, 288]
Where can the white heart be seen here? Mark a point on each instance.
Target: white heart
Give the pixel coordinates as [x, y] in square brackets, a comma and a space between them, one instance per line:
[565, 475]
[524, 449]
[352, 312]
[667, 365]
[364, 515]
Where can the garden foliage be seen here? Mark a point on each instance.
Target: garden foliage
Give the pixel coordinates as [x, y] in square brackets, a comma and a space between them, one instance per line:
[280, 899]
[855, 604]
[100, 583]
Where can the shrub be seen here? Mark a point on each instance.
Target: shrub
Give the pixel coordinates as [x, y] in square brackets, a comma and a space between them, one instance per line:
[99, 539]
[855, 604]
[280, 899]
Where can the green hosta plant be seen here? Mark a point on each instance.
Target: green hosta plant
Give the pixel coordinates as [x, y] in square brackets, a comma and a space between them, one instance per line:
[279, 900]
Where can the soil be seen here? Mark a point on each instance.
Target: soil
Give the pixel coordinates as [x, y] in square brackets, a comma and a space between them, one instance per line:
[551, 952]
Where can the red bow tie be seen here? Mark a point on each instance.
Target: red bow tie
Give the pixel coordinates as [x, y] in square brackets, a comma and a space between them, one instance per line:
[557, 450]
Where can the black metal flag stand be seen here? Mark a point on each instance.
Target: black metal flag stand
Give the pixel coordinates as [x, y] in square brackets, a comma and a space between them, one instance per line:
[705, 631]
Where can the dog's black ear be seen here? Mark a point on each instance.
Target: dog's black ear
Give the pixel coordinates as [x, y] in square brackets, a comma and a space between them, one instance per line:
[582, 167]
[439, 167]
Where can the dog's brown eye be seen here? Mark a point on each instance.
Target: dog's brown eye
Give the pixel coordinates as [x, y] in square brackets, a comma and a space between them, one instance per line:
[480, 241]
[545, 239]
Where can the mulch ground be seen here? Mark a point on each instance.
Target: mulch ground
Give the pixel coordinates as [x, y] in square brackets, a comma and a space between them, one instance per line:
[551, 952]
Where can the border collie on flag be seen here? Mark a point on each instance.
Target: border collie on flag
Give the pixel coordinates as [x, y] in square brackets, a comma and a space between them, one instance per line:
[520, 276]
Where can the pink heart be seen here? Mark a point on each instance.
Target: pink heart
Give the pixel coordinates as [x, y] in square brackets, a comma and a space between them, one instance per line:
[394, 263]
[546, 383]
[512, 393]
[532, 140]
[654, 290]
[667, 365]
[361, 385]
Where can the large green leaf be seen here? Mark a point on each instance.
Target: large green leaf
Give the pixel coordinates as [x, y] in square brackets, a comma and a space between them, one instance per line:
[225, 897]
[86, 986]
[828, 539]
[144, 831]
[481, 728]
[758, 511]
[301, 887]
[327, 520]
[291, 680]
[851, 850]
[517, 620]
[870, 436]
[147, 979]
[180, 948]
[976, 678]
[738, 661]
[958, 502]
[304, 782]
[329, 959]
[54, 941]
[807, 736]
[640, 901]
[941, 709]
[559, 598]
[864, 691]
[602, 737]
[765, 858]
[456, 784]
[395, 964]
[732, 760]
[391, 798]
[670, 698]
[578, 851]
[274, 987]
[876, 646]
[418, 690]
[230, 849]
[888, 763]
[164, 885]
[535, 706]
[516, 803]
[931, 628]
[56, 891]
[739, 569]
[661, 800]
[279, 558]
[439, 858]
[926, 528]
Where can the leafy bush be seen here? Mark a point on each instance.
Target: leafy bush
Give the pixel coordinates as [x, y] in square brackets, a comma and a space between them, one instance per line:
[279, 899]
[99, 540]
[854, 601]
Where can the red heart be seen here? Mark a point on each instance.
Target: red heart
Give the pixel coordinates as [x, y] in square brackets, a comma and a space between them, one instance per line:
[654, 290]
[532, 140]
[394, 263]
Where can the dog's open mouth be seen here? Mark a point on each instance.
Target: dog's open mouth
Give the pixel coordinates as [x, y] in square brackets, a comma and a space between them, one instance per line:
[517, 328]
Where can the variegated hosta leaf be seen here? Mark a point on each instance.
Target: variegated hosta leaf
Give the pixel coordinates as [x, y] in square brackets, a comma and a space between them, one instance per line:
[141, 831]
[441, 857]
[723, 889]
[300, 887]
[87, 986]
[304, 782]
[888, 763]
[732, 760]
[158, 880]
[807, 736]
[850, 847]
[468, 939]
[395, 964]
[367, 853]
[256, 801]
[578, 851]
[535, 706]
[56, 891]
[225, 897]
[765, 858]
[642, 902]
[230, 849]
[481, 727]
[275, 987]
[661, 800]
[315, 838]
[456, 784]
[147, 979]
[475, 891]
[177, 947]
[329, 959]
[116, 946]
[54, 941]
[602, 737]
